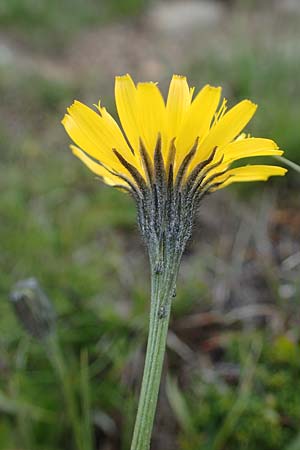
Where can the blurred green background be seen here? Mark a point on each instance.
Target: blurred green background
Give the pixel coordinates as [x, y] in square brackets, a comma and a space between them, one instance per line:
[232, 372]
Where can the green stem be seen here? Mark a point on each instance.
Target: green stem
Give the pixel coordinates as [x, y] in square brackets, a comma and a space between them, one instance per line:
[162, 288]
[287, 162]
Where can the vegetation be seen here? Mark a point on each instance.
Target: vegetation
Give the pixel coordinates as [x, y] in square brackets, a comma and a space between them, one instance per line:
[232, 371]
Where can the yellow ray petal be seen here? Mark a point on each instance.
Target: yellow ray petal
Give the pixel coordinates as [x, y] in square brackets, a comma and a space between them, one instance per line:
[248, 147]
[241, 136]
[151, 114]
[96, 135]
[198, 120]
[126, 102]
[226, 129]
[178, 102]
[99, 170]
[192, 90]
[144, 115]
[250, 173]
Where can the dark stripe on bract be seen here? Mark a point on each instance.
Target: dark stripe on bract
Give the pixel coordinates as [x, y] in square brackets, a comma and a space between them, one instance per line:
[196, 171]
[128, 189]
[212, 177]
[147, 164]
[170, 183]
[184, 165]
[132, 170]
[208, 190]
[219, 183]
[203, 175]
[146, 215]
[170, 198]
[171, 155]
[159, 167]
[135, 191]
[159, 187]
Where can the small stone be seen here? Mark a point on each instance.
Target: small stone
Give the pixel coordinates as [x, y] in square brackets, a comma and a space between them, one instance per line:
[287, 291]
[6, 55]
[185, 16]
[289, 6]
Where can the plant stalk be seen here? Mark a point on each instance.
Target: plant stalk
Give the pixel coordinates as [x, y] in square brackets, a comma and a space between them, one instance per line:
[58, 362]
[163, 283]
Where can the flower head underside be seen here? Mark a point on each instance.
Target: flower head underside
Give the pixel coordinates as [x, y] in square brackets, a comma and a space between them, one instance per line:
[168, 155]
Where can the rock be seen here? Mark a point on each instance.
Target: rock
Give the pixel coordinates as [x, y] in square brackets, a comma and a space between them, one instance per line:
[185, 16]
[6, 55]
[289, 6]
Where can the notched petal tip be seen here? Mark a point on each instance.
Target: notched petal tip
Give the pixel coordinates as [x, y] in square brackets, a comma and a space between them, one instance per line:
[211, 88]
[251, 104]
[146, 84]
[124, 77]
[64, 120]
[179, 77]
[75, 105]
[273, 146]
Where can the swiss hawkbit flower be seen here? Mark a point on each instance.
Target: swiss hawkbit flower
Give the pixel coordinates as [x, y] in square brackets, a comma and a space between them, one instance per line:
[168, 155]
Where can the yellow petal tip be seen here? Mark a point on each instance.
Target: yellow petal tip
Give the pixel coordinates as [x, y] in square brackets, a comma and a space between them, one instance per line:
[64, 120]
[283, 171]
[250, 103]
[74, 105]
[179, 77]
[212, 89]
[122, 77]
[74, 149]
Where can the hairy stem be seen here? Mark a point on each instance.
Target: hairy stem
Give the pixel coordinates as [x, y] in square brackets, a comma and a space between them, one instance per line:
[163, 280]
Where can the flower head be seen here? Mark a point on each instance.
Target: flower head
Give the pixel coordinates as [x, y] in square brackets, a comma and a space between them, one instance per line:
[168, 155]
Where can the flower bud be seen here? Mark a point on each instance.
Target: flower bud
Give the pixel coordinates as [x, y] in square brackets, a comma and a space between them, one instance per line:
[33, 308]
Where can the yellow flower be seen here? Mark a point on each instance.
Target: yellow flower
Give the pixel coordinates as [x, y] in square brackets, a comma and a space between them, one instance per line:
[168, 155]
[182, 123]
